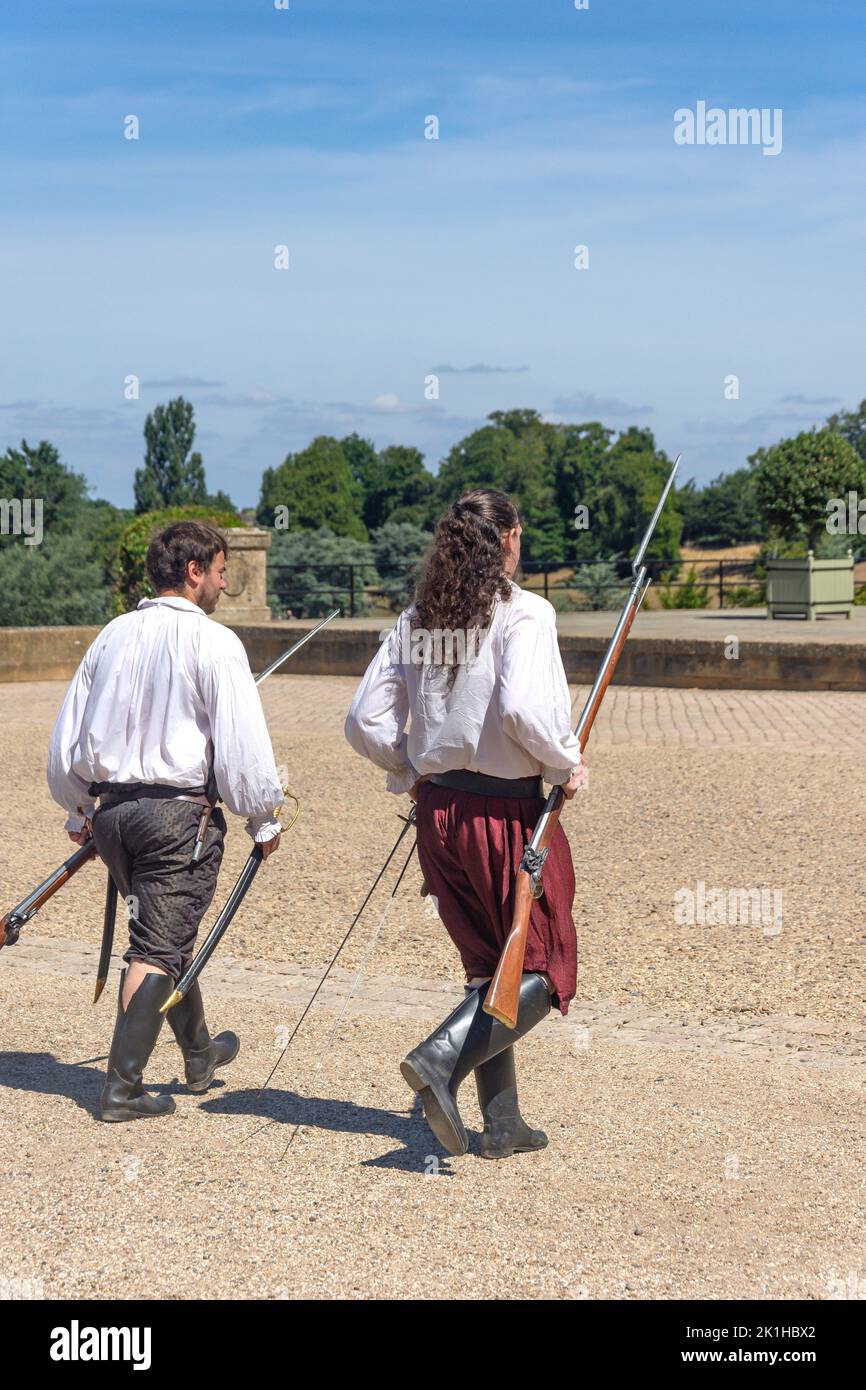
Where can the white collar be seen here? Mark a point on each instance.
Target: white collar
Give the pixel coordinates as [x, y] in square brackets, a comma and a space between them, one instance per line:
[173, 601]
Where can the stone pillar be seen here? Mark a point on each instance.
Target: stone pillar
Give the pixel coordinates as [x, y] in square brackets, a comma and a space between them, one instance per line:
[245, 598]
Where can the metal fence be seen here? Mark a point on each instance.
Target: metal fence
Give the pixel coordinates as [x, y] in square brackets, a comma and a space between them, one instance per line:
[310, 586]
[713, 575]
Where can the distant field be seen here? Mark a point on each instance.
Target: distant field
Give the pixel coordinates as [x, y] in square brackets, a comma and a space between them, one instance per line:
[699, 558]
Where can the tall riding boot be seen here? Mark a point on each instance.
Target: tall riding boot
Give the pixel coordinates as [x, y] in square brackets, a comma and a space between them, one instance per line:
[202, 1054]
[135, 1034]
[505, 1130]
[466, 1039]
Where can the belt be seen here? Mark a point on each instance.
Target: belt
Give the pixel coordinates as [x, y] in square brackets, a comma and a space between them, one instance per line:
[135, 791]
[464, 781]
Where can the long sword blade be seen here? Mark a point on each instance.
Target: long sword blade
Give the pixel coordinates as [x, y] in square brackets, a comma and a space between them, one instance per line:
[263, 675]
[107, 937]
[217, 931]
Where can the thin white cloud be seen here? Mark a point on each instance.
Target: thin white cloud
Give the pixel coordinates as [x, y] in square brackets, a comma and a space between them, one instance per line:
[811, 400]
[243, 400]
[777, 422]
[586, 404]
[477, 369]
[179, 382]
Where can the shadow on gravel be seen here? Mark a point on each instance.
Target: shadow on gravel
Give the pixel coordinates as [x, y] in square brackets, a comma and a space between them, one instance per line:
[41, 1073]
[286, 1109]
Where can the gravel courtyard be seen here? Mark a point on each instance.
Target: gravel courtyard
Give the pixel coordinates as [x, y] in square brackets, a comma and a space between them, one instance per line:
[703, 1098]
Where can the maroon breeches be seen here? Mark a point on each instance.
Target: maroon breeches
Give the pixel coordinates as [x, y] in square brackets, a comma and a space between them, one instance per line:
[469, 849]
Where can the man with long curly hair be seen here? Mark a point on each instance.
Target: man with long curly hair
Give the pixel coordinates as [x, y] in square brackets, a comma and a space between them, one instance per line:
[476, 663]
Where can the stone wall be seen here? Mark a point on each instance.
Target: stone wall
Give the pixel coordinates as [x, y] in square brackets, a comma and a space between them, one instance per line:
[345, 648]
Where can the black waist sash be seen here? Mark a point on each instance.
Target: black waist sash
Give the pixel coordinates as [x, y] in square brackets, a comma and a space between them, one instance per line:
[464, 781]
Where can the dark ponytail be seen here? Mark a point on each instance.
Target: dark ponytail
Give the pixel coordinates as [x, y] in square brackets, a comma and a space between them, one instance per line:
[464, 573]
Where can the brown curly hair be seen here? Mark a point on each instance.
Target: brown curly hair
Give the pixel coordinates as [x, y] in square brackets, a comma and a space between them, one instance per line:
[463, 575]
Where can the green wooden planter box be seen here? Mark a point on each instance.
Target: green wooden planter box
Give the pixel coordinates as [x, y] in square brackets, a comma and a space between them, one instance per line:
[808, 586]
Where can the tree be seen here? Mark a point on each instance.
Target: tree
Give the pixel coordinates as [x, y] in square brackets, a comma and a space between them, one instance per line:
[598, 586]
[638, 472]
[579, 473]
[516, 455]
[312, 572]
[617, 483]
[172, 476]
[851, 425]
[797, 478]
[317, 489]
[398, 488]
[725, 512]
[362, 459]
[76, 531]
[55, 584]
[101, 526]
[398, 550]
[39, 474]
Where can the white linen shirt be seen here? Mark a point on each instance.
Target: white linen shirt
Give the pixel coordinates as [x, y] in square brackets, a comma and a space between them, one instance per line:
[508, 713]
[158, 693]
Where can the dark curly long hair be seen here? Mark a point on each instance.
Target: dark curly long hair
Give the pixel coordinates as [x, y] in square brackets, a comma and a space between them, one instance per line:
[463, 575]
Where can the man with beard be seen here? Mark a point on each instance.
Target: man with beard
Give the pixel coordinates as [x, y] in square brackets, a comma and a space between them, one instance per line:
[163, 718]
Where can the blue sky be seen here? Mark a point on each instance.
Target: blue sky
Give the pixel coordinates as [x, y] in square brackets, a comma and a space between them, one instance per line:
[305, 127]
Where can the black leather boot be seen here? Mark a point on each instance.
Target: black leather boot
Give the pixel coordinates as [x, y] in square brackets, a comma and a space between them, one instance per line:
[505, 1130]
[135, 1034]
[466, 1039]
[202, 1054]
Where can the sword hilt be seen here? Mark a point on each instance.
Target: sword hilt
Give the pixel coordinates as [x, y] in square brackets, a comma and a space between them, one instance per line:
[204, 822]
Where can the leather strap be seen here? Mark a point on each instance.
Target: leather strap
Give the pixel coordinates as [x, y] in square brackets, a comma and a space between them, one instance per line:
[136, 791]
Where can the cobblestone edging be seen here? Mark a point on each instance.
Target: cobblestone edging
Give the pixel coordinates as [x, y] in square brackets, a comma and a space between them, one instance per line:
[765, 1038]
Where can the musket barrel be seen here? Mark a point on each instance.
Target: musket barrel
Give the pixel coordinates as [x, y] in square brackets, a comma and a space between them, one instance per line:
[626, 617]
[29, 905]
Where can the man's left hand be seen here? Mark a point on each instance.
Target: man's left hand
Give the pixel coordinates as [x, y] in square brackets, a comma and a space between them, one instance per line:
[80, 837]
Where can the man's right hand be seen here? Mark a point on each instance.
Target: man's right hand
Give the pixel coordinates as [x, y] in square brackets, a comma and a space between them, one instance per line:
[577, 781]
[268, 846]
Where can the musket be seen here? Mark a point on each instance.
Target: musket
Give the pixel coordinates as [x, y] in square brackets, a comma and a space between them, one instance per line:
[12, 922]
[504, 992]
